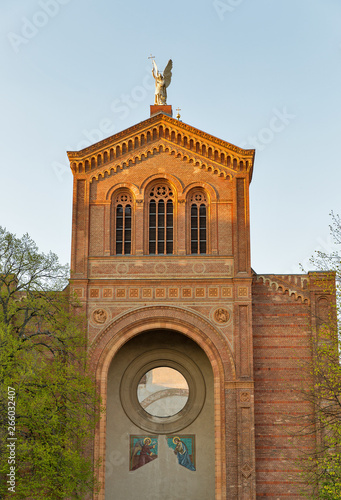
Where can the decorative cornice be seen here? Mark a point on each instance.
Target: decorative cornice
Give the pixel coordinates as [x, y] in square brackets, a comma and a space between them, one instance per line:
[162, 146]
[147, 124]
[295, 285]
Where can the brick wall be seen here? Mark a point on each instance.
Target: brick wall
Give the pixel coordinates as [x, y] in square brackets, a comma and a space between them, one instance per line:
[281, 332]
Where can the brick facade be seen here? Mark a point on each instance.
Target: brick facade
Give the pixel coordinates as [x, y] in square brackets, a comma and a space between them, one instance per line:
[254, 329]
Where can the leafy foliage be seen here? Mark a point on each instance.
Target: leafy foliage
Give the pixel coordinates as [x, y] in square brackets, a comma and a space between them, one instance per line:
[322, 468]
[331, 261]
[43, 357]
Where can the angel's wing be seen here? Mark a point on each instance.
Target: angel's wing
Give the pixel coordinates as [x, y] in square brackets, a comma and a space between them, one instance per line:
[167, 74]
[155, 67]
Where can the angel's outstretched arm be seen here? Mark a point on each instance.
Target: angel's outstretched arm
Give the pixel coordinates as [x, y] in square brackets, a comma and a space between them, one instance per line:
[155, 70]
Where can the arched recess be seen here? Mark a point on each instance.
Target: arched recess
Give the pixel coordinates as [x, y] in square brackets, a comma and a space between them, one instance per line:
[323, 314]
[198, 222]
[137, 321]
[160, 218]
[122, 223]
[173, 185]
[212, 215]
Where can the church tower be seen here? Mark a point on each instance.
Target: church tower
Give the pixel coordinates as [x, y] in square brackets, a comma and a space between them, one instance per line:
[161, 266]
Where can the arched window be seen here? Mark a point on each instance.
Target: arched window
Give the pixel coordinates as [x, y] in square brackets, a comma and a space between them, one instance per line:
[198, 222]
[161, 220]
[122, 232]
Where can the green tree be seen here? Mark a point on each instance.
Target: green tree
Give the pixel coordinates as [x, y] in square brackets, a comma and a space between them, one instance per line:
[331, 261]
[322, 467]
[44, 377]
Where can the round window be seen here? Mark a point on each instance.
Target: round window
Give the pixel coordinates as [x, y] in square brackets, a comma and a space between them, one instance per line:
[162, 392]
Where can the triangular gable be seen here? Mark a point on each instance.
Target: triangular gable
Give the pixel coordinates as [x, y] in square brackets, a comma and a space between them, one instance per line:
[161, 133]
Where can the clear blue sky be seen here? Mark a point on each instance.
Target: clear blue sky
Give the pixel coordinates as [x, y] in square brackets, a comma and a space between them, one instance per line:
[263, 74]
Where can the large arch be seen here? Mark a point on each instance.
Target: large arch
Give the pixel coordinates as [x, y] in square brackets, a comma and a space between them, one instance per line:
[130, 324]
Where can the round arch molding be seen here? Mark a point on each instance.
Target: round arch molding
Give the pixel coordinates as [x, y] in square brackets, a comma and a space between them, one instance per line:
[208, 338]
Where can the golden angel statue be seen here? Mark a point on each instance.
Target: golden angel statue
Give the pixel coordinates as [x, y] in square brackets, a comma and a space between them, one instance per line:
[162, 81]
